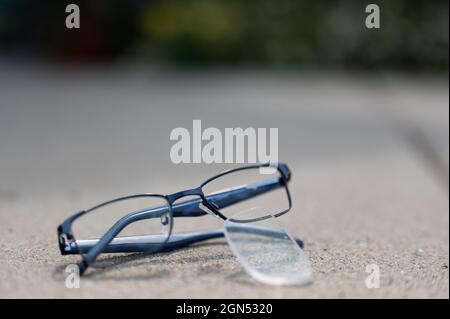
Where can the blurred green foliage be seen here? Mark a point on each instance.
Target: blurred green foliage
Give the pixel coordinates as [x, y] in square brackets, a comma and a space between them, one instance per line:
[413, 34]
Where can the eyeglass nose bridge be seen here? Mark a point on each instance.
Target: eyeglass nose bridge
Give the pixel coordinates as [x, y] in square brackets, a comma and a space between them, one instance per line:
[203, 204]
[189, 192]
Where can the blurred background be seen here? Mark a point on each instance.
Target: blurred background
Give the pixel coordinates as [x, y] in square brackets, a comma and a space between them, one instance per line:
[363, 119]
[316, 34]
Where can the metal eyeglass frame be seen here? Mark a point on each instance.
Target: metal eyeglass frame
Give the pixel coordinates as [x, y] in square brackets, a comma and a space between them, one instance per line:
[201, 206]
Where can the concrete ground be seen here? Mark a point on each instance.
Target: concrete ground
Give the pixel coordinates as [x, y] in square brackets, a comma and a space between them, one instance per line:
[369, 154]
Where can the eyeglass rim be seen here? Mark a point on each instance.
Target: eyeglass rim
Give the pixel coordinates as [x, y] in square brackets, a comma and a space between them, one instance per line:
[280, 167]
[285, 175]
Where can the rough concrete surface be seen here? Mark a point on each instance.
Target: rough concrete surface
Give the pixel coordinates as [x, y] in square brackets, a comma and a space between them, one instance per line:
[369, 154]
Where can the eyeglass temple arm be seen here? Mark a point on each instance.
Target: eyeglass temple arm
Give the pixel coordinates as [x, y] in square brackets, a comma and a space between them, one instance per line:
[135, 244]
[101, 245]
[227, 198]
[103, 242]
[233, 196]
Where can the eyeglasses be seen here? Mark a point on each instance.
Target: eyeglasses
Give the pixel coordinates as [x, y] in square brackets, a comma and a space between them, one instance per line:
[218, 196]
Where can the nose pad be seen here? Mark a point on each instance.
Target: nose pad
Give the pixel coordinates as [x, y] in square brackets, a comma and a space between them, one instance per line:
[165, 223]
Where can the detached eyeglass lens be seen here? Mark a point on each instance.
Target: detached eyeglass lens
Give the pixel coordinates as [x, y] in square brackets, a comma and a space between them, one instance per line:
[265, 250]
